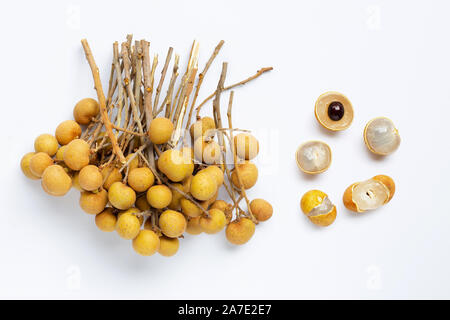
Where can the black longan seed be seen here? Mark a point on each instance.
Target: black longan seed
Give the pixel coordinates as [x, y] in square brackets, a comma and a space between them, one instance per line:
[336, 111]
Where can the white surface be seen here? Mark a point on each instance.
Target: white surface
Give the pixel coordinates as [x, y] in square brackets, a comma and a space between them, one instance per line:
[391, 58]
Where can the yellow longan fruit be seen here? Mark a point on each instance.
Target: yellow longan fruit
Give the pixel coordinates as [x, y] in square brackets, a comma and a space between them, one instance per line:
[75, 182]
[134, 163]
[176, 196]
[240, 231]
[25, 166]
[76, 155]
[248, 172]
[67, 131]
[112, 174]
[176, 165]
[214, 223]
[121, 196]
[246, 146]
[261, 209]
[146, 243]
[200, 127]
[60, 153]
[189, 208]
[168, 246]
[90, 178]
[142, 203]
[46, 143]
[172, 223]
[106, 220]
[39, 162]
[85, 110]
[193, 226]
[55, 181]
[203, 186]
[225, 207]
[127, 226]
[93, 203]
[216, 173]
[159, 196]
[316, 205]
[187, 183]
[207, 151]
[134, 211]
[160, 130]
[140, 179]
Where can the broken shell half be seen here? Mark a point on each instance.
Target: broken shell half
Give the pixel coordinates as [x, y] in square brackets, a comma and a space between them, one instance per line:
[370, 194]
[313, 157]
[319, 209]
[342, 117]
[381, 136]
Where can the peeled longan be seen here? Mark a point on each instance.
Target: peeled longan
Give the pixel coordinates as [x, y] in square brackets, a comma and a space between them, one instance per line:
[168, 246]
[121, 196]
[160, 130]
[85, 110]
[106, 220]
[93, 203]
[207, 151]
[39, 162]
[25, 166]
[175, 164]
[176, 197]
[224, 207]
[67, 131]
[76, 155]
[203, 186]
[200, 127]
[111, 174]
[172, 223]
[214, 223]
[246, 145]
[193, 226]
[127, 226]
[216, 173]
[261, 209]
[146, 243]
[249, 175]
[46, 143]
[142, 203]
[90, 178]
[159, 196]
[189, 208]
[240, 231]
[55, 181]
[140, 179]
[319, 209]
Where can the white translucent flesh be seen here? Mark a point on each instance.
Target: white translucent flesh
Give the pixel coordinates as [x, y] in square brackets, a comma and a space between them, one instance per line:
[325, 207]
[314, 156]
[382, 136]
[369, 195]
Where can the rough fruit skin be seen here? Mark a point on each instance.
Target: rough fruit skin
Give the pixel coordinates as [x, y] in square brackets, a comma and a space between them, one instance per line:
[216, 173]
[76, 155]
[159, 196]
[176, 197]
[134, 163]
[189, 208]
[311, 199]
[25, 166]
[246, 145]
[127, 226]
[67, 131]
[225, 207]
[261, 209]
[348, 199]
[168, 246]
[39, 162]
[160, 130]
[46, 143]
[249, 175]
[176, 165]
[106, 220]
[135, 212]
[200, 127]
[203, 186]
[172, 223]
[193, 226]
[85, 110]
[121, 196]
[140, 179]
[55, 181]
[214, 223]
[240, 231]
[146, 243]
[142, 203]
[75, 182]
[93, 203]
[60, 153]
[90, 178]
[112, 174]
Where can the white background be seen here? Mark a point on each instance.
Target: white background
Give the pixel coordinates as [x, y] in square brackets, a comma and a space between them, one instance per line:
[391, 58]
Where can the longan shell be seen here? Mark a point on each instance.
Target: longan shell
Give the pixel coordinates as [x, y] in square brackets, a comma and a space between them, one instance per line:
[85, 110]
[388, 183]
[261, 209]
[25, 166]
[127, 226]
[121, 196]
[93, 203]
[160, 130]
[146, 243]
[106, 220]
[90, 178]
[240, 231]
[214, 223]
[249, 175]
[311, 199]
[67, 131]
[168, 246]
[246, 146]
[159, 196]
[203, 186]
[46, 143]
[347, 198]
[324, 220]
[39, 162]
[140, 179]
[55, 181]
[76, 155]
[172, 223]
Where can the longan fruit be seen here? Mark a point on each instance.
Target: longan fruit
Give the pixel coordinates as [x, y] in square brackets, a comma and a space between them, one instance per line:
[175, 164]
[46, 143]
[148, 224]
[225, 207]
[189, 208]
[121, 196]
[146, 243]
[203, 186]
[160, 130]
[172, 223]
[193, 226]
[112, 174]
[25, 166]
[246, 146]
[106, 220]
[93, 203]
[261, 209]
[140, 179]
[136, 212]
[67, 131]
[90, 178]
[216, 173]
[75, 182]
[142, 203]
[248, 172]
[207, 151]
[214, 223]
[60, 153]
[168, 246]
[85, 110]
[55, 181]
[176, 196]
[240, 231]
[159, 196]
[76, 155]
[127, 226]
[134, 163]
[200, 127]
[39, 162]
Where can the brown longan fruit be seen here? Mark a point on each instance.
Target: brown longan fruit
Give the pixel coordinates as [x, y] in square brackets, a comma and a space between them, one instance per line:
[60, 153]
[176, 196]
[203, 186]
[67, 131]
[75, 182]
[55, 181]
[193, 226]
[261, 209]
[172, 223]
[90, 178]
[39, 162]
[159, 196]
[25, 166]
[175, 164]
[121, 196]
[200, 127]
[93, 203]
[168, 246]
[134, 163]
[246, 146]
[146, 243]
[225, 207]
[85, 110]
[248, 172]
[216, 173]
[140, 179]
[127, 226]
[134, 211]
[160, 130]
[214, 223]
[46, 143]
[207, 151]
[106, 220]
[240, 231]
[76, 155]
[111, 174]
[189, 208]
[142, 203]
